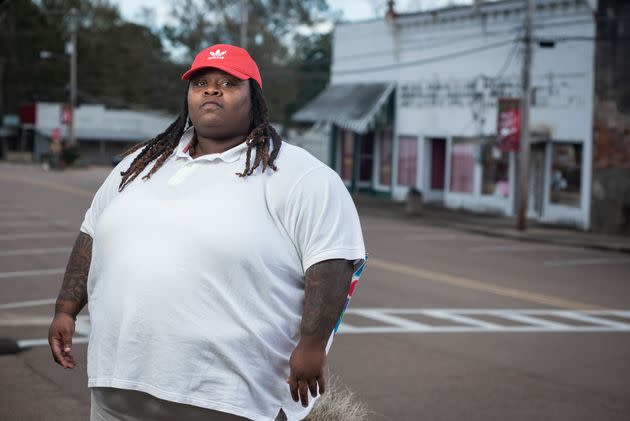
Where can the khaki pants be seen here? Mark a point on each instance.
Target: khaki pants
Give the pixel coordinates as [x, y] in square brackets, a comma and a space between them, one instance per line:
[111, 404]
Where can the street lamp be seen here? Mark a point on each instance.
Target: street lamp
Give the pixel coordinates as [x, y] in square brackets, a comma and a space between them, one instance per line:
[72, 46]
[71, 50]
[45, 55]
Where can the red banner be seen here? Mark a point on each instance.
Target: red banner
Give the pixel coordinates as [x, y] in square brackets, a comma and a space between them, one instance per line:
[509, 124]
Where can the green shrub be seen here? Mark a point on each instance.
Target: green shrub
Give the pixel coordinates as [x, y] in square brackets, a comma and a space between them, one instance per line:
[70, 154]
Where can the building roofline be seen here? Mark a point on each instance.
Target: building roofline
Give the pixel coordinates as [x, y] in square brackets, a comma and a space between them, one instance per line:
[486, 6]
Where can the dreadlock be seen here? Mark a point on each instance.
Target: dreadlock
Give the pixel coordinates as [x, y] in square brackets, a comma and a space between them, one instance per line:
[262, 136]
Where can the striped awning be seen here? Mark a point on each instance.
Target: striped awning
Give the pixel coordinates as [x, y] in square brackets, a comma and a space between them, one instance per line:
[351, 106]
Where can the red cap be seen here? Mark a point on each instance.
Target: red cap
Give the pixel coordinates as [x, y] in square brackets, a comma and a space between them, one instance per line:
[229, 58]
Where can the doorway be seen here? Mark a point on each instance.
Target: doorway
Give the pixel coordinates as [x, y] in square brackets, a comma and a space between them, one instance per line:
[537, 179]
[366, 157]
[435, 168]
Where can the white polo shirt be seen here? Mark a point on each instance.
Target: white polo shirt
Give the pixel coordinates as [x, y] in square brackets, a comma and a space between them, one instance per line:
[196, 285]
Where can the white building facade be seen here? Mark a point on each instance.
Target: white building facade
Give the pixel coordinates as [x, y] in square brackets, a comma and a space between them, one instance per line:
[101, 133]
[436, 129]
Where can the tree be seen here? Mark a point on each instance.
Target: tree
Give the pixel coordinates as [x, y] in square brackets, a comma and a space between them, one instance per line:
[311, 64]
[26, 31]
[124, 64]
[120, 64]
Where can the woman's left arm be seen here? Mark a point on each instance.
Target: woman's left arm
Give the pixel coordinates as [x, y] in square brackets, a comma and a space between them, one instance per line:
[325, 292]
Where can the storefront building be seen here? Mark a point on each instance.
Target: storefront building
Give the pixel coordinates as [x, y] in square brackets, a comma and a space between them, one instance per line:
[101, 133]
[413, 103]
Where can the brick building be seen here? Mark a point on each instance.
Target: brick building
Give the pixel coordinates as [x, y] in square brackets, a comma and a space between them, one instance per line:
[610, 201]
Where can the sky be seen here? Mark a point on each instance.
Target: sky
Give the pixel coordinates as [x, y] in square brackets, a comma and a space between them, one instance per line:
[352, 9]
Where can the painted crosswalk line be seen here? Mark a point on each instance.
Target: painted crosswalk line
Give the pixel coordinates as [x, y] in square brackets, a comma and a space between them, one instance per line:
[401, 320]
[434, 320]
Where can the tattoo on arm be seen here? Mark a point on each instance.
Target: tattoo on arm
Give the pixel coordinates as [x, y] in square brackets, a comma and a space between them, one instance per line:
[73, 294]
[326, 288]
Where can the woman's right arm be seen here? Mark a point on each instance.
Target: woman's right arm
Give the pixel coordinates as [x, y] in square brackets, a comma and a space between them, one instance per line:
[70, 301]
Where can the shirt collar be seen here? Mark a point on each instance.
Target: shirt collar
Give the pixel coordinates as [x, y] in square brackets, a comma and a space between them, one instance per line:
[231, 155]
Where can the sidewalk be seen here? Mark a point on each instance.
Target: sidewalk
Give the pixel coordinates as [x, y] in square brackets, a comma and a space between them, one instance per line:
[491, 225]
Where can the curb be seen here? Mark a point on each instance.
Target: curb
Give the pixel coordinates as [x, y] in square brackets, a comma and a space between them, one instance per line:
[540, 240]
[497, 233]
[9, 346]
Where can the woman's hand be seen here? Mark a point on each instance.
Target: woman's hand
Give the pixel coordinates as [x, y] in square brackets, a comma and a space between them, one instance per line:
[308, 369]
[60, 339]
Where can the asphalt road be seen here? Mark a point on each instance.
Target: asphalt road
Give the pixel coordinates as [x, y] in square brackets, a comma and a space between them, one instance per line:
[445, 325]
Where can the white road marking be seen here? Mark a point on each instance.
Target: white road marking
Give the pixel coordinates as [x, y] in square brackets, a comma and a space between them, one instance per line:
[30, 303]
[389, 319]
[27, 235]
[13, 321]
[458, 318]
[38, 272]
[32, 223]
[19, 214]
[529, 320]
[81, 329]
[29, 343]
[82, 326]
[585, 318]
[583, 262]
[464, 321]
[29, 252]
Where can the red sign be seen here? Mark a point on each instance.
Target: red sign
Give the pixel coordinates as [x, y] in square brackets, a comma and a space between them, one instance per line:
[55, 135]
[66, 114]
[509, 124]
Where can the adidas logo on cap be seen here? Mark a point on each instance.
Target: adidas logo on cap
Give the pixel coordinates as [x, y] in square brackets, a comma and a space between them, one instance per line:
[218, 54]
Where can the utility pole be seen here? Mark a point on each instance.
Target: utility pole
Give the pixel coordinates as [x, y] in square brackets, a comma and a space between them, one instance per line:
[73, 75]
[523, 180]
[244, 23]
[2, 62]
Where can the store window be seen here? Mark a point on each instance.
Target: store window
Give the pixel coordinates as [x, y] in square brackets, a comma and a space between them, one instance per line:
[385, 158]
[566, 174]
[347, 154]
[495, 166]
[463, 165]
[407, 160]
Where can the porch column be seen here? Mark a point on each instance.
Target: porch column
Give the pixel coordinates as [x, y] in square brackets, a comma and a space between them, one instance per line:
[356, 162]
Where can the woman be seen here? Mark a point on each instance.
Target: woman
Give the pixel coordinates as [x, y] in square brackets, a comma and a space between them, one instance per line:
[216, 260]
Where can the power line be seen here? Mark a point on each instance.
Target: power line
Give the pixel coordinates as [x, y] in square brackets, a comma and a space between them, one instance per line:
[509, 58]
[465, 38]
[448, 41]
[426, 60]
[579, 38]
[542, 24]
